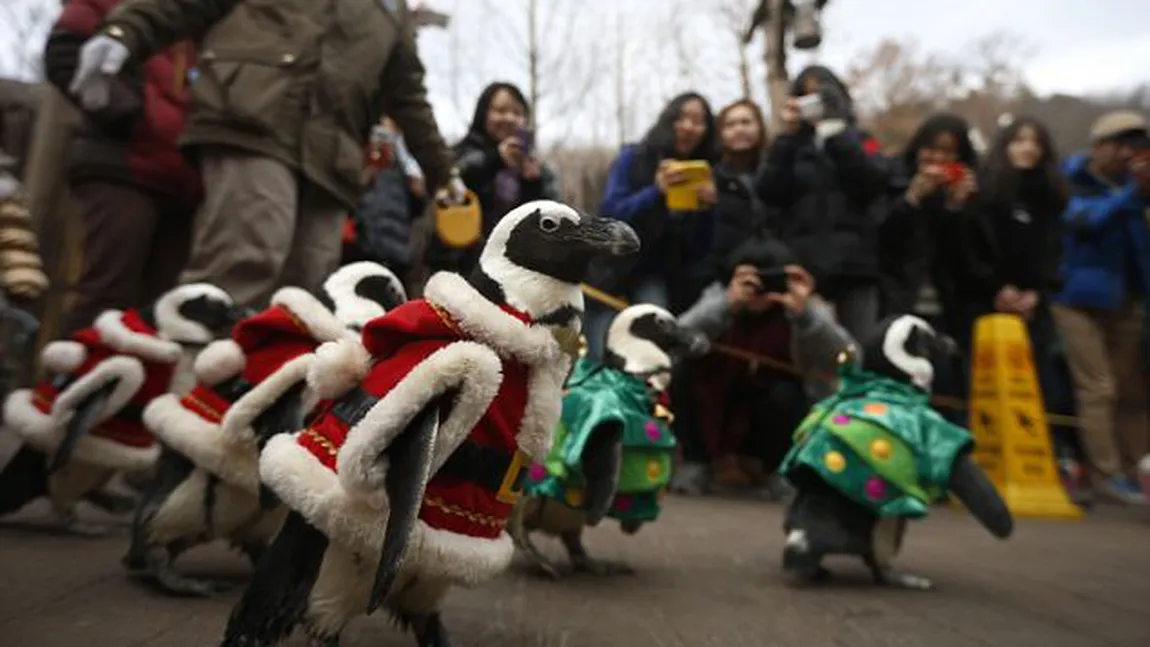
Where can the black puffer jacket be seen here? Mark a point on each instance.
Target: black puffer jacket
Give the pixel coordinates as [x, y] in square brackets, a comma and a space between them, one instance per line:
[826, 195]
[383, 219]
[738, 216]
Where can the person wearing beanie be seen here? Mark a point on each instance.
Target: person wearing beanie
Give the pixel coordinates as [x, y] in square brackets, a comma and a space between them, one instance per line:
[1099, 310]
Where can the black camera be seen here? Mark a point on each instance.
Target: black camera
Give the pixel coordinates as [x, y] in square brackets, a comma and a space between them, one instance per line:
[773, 280]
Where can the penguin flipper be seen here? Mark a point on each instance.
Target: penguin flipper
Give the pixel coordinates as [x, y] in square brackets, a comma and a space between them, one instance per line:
[278, 594]
[83, 420]
[285, 415]
[23, 479]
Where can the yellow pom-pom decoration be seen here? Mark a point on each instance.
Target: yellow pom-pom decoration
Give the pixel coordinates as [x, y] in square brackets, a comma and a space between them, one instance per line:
[835, 462]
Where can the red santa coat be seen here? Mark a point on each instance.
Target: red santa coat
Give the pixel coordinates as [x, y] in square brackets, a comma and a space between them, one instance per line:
[505, 376]
[120, 346]
[237, 379]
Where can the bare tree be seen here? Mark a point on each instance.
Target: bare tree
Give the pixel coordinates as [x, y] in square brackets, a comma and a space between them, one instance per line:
[735, 18]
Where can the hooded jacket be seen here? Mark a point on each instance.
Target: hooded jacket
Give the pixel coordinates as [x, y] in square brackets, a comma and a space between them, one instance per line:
[825, 192]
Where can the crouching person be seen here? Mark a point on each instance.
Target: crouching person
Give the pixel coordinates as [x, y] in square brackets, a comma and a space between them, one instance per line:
[742, 413]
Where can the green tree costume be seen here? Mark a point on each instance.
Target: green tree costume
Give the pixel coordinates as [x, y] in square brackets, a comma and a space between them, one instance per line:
[879, 443]
[597, 395]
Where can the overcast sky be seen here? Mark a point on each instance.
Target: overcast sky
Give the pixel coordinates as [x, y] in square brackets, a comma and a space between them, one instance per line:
[1077, 46]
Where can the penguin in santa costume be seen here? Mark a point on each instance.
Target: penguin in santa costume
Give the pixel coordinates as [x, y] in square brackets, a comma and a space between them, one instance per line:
[402, 486]
[249, 388]
[875, 455]
[613, 447]
[84, 424]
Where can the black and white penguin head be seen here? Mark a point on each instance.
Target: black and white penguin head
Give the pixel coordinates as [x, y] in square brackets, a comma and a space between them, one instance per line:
[644, 340]
[197, 313]
[905, 348]
[359, 292]
[538, 254]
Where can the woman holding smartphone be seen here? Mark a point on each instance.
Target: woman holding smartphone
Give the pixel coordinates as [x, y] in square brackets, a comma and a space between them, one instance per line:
[674, 242]
[496, 160]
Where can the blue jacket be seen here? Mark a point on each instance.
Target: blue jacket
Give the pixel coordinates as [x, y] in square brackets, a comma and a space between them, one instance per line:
[1107, 241]
[644, 208]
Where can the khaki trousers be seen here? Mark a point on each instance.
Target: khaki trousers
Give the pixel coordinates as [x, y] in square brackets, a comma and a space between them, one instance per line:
[1103, 350]
[260, 228]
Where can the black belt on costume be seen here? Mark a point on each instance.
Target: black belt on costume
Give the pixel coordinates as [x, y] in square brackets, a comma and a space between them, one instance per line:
[233, 389]
[479, 464]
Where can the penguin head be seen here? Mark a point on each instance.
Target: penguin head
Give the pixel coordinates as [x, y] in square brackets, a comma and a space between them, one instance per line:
[196, 313]
[359, 292]
[538, 254]
[645, 339]
[905, 348]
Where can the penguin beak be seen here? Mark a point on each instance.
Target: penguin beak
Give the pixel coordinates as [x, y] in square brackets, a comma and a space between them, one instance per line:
[606, 236]
[601, 461]
[691, 343]
[971, 486]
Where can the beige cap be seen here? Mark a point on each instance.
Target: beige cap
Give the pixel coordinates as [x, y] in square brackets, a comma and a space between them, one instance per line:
[1116, 123]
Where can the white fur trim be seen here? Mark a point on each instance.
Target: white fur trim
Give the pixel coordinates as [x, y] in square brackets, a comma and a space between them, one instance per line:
[128, 370]
[339, 366]
[467, 366]
[63, 356]
[305, 485]
[351, 308]
[488, 323]
[173, 325]
[231, 458]
[534, 346]
[321, 324]
[114, 333]
[218, 361]
[244, 411]
[45, 431]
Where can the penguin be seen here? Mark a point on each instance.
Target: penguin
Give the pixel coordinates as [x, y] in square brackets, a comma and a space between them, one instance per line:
[876, 455]
[83, 425]
[400, 489]
[249, 388]
[614, 412]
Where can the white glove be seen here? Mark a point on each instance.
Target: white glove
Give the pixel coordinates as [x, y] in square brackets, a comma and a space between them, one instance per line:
[455, 193]
[101, 59]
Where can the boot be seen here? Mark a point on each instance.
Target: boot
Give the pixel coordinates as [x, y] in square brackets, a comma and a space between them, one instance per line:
[729, 474]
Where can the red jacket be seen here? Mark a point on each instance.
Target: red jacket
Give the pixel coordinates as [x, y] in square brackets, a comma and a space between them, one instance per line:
[405, 338]
[126, 426]
[134, 138]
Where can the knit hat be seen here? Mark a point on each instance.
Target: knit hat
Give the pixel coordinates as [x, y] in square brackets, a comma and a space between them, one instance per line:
[1117, 124]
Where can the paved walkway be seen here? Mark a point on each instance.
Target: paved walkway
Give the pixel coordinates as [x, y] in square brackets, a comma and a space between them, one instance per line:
[708, 575]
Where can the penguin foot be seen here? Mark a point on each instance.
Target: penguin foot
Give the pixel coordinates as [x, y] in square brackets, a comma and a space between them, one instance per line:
[907, 581]
[111, 502]
[430, 631]
[316, 641]
[799, 564]
[70, 524]
[158, 569]
[584, 564]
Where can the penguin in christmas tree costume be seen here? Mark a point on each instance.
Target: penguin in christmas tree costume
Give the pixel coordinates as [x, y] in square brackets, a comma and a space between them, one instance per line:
[875, 455]
[249, 388]
[613, 448]
[84, 424]
[401, 488]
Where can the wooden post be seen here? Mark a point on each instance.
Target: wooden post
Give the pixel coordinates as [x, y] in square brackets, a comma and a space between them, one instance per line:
[775, 55]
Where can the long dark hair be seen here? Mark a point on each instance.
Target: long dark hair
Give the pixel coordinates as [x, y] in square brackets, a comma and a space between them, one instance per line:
[1003, 184]
[935, 125]
[477, 132]
[659, 142]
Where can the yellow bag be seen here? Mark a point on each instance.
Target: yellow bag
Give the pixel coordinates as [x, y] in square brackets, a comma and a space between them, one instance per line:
[459, 226]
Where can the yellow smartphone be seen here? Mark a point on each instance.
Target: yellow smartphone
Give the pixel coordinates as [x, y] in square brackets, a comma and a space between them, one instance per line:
[684, 196]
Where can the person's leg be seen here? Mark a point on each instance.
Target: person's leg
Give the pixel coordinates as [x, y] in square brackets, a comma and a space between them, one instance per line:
[1095, 391]
[119, 225]
[170, 249]
[596, 321]
[244, 229]
[317, 242]
[1131, 425]
[857, 310]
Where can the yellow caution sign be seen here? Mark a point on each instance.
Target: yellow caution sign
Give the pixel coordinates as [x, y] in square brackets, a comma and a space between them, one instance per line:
[1008, 422]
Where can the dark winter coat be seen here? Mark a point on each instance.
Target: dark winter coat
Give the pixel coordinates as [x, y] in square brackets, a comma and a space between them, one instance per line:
[739, 216]
[825, 197]
[383, 220]
[299, 81]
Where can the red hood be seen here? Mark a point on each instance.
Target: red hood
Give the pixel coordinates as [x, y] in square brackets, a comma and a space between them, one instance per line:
[275, 321]
[413, 321]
